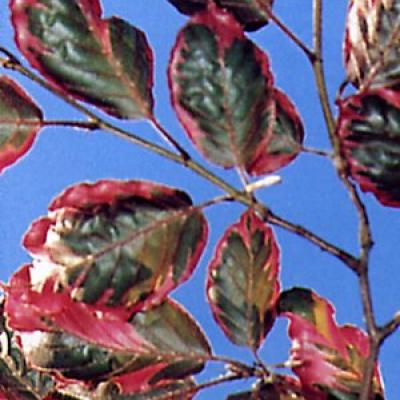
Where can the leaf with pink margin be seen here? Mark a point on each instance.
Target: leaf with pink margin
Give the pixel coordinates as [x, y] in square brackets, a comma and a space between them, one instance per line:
[20, 121]
[252, 14]
[329, 359]
[105, 62]
[48, 309]
[123, 244]
[371, 51]
[221, 88]
[80, 344]
[243, 281]
[284, 141]
[369, 132]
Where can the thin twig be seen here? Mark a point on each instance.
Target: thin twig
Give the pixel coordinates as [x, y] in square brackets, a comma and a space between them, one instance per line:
[241, 196]
[191, 390]
[87, 125]
[297, 41]
[390, 328]
[316, 152]
[365, 237]
[169, 139]
[299, 230]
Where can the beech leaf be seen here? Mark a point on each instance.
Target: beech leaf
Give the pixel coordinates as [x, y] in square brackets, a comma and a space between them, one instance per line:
[118, 244]
[222, 91]
[221, 88]
[105, 62]
[371, 50]
[369, 130]
[243, 282]
[173, 348]
[285, 138]
[327, 358]
[252, 14]
[20, 121]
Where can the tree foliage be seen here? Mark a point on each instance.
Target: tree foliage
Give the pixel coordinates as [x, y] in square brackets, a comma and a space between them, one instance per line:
[91, 317]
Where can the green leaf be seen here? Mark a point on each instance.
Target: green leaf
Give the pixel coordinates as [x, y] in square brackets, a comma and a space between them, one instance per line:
[371, 49]
[221, 89]
[243, 282]
[176, 348]
[369, 129]
[107, 63]
[118, 243]
[252, 14]
[20, 121]
[284, 141]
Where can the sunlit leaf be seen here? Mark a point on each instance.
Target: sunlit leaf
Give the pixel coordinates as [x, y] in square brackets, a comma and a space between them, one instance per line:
[369, 127]
[107, 63]
[326, 357]
[221, 89]
[118, 243]
[243, 283]
[371, 49]
[161, 345]
[20, 121]
[251, 13]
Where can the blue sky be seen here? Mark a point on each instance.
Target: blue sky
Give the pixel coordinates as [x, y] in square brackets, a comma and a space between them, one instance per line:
[310, 194]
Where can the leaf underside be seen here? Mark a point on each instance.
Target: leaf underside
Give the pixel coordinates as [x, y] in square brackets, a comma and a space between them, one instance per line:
[371, 49]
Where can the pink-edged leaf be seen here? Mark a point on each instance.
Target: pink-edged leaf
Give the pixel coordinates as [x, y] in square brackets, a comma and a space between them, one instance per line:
[281, 387]
[118, 243]
[371, 51]
[329, 359]
[20, 121]
[63, 336]
[243, 281]
[369, 130]
[48, 309]
[252, 14]
[221, 88]
[105, 62]
[284, 141]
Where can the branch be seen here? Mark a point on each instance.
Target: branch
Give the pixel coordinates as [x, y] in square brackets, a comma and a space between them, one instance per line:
[243, 197]
[191, 390]
[87, 125]
[390, 328]
[365, 237]
[292, 36]
[342, 255]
